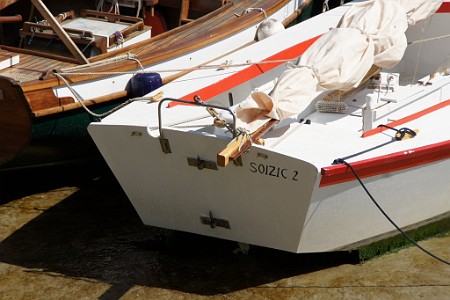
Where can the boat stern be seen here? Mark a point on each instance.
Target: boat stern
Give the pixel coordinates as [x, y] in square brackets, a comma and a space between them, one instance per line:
[261, 200]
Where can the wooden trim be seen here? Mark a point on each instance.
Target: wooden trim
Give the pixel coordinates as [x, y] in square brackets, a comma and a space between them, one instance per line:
[242, 143]
[76, 105]
[10, 19]
[297, 13]
[184, 12]
[41, 54]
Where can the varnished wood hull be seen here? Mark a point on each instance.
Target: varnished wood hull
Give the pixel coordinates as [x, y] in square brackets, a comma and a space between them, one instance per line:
[16, 120]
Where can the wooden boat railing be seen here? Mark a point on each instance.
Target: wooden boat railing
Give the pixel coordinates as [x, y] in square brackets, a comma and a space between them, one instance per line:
[86, 37]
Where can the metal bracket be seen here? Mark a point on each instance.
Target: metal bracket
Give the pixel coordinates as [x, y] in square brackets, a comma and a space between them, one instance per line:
[197, 101]
[165, 146]
[213, 222]
[202, 164]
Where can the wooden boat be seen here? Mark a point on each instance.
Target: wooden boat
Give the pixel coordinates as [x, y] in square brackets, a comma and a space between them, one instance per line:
[89, 57]
[331, 159]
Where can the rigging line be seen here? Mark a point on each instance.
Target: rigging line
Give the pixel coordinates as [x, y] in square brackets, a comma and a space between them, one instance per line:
[386, 215]
[430, 39]
[90, 112]
[338, 161]
[400, 135]
[419, 51]
[202, 67]
[104, 62]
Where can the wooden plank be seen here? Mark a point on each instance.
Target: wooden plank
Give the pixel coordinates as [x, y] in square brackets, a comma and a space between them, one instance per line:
[184, 12]
[242, 143]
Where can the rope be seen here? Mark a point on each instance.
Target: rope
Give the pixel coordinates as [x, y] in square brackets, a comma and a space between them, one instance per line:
[192, 126]
[430, 39]
[90, 112]
[204, 67]
[250, 9]
[103, 62]
[246, 137]
[78, 98]
[419, 51]
[400, 135]
[409, 238]
[325, 7]
[177, 124]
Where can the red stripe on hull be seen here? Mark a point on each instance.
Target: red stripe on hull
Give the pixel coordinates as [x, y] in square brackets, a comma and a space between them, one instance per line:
[391, 162]
[386, 164]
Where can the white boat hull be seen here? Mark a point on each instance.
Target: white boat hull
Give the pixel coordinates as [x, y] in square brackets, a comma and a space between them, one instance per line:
[286, 194]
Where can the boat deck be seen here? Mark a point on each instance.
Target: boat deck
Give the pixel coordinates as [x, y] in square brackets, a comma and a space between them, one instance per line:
[31, 67]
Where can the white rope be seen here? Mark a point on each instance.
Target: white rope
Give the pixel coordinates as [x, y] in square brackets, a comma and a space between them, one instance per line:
[246, 137]
[429, 39]
[250, 9]
[80, 100]
[178, 124]
[325, 7]
[103, 62]
[204, 67]
[419, 52]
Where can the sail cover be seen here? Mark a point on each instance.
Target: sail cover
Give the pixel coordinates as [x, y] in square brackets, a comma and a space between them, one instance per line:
[376, 30]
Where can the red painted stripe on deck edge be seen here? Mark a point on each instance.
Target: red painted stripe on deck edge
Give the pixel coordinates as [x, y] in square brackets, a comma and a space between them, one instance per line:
[251, 72]
[386, 164]
[445, 8]
[407, 119]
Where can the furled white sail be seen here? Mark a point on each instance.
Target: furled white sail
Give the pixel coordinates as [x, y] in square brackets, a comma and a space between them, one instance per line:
[376, 30]
[419, 10]
[385, 23]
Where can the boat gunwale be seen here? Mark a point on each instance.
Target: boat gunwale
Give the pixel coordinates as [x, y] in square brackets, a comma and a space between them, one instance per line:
[396, 161]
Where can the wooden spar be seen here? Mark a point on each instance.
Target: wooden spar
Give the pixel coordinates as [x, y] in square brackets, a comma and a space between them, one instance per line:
[60, 31]
[339, 95]
[10, 19]
[296, 13]
[242, 143]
